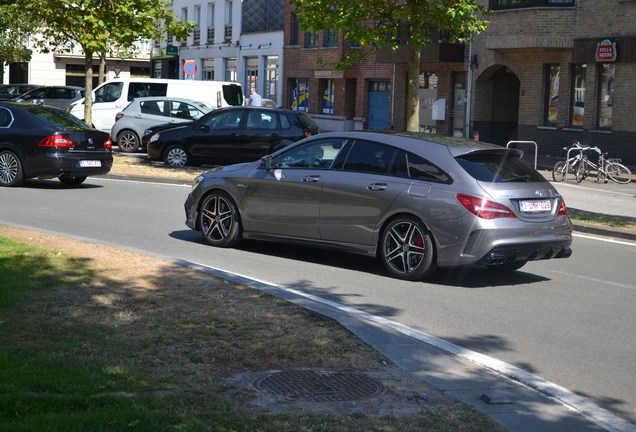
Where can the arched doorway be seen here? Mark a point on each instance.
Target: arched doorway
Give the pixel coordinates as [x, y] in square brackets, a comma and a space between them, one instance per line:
[496, 102]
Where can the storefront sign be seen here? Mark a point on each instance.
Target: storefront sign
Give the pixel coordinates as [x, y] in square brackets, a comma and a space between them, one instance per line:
[606, 51]
[326, 74]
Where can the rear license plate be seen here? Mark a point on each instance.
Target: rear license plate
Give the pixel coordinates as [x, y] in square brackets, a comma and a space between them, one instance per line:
[90, 163]
[535, 206]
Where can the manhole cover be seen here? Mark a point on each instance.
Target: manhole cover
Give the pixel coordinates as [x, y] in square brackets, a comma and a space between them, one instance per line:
[319, 386]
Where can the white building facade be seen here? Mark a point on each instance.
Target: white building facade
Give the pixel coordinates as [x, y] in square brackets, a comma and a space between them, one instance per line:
[232, 41]
[67, 68]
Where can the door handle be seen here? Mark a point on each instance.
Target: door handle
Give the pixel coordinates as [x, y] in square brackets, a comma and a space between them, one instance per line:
[377, 186]
[311, 178]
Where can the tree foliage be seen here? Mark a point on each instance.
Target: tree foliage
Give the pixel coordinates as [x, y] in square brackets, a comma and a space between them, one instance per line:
[99, 27]
[15, 29]
[376, 24]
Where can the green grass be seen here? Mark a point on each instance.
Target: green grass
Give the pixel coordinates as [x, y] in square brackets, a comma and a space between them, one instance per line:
[603, 220]
[64, 367]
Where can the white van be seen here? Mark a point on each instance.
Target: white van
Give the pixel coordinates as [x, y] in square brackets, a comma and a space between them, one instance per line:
[113, 96]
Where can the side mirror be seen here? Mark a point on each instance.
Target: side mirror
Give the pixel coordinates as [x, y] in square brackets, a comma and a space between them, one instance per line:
[266, 162]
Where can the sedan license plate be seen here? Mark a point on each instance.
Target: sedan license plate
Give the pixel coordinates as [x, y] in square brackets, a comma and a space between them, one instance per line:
[90, 163]
[535, 206]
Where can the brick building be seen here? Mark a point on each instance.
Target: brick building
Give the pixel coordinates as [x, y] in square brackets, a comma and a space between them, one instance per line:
[555, 72]
[372, 93]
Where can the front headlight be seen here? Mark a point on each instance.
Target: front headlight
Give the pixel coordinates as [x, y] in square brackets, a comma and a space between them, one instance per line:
[154, 138]
[197, 181]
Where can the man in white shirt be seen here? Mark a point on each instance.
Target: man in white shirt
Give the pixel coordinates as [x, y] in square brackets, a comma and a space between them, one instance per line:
[255, 98]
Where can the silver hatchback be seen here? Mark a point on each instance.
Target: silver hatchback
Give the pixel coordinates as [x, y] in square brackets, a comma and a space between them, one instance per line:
[145, 112]
[417, 202]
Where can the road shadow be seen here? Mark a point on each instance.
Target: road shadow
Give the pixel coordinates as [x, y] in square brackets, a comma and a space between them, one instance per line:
[55, 184]
[461, 277]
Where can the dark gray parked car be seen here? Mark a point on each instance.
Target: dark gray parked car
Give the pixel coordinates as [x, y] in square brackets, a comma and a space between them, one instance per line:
[414, 203]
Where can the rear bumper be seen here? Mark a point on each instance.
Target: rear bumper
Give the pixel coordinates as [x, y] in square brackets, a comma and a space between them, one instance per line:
[55, 165]
[526, 252]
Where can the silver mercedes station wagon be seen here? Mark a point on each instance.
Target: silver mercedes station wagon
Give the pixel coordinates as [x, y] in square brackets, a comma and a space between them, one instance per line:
[416, 202]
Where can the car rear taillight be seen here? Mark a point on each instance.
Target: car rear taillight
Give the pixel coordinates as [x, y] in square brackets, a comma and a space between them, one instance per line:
[483, 208]
[56, 141]
[563, 210]
[306, 134]
[108, 144]
[118, 116]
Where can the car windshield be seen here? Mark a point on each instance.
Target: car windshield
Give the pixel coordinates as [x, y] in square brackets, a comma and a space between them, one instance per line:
[57, 119]
[498, 167]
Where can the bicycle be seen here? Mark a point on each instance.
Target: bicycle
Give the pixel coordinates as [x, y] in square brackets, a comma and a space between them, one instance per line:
[569, 166]
[606, 168]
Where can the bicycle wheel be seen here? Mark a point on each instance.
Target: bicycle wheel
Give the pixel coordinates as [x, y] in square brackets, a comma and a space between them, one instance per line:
[558, 171]
[618, 173]
[581, 170]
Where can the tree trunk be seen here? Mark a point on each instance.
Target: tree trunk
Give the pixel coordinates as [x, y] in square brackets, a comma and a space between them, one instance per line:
[413, 89]
[88, 88]
[102, 68]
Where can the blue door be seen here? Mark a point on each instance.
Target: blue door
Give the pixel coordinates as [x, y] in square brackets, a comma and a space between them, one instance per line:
[378, 109]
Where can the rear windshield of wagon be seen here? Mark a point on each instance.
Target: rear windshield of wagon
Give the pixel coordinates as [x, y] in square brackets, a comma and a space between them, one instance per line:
[498, 167]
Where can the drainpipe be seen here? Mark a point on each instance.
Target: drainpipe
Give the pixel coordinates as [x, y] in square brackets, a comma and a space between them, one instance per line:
[469, 85]
[393, 100]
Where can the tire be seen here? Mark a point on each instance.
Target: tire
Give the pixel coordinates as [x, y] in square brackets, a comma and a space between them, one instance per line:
[558, 171]
[128, 141]
[509, 267]
[219, 220]
[176, 156]
[11, 173]
[407, 250]
[619, 173]
[72, 181]
[581, 170]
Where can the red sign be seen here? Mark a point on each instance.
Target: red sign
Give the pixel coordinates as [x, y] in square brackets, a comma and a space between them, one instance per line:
[117, 70]
[189, 69]
[606, 51]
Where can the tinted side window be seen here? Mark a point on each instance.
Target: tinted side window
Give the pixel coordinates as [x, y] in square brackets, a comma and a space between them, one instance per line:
[284, 122]
[233, 94]
[499, 167]
[109, 92]
[182, 110]
[315, 154]
[416, 167]
[225, 119]
[142, 89]
[151, 107]
[258, 119]
[369, 157]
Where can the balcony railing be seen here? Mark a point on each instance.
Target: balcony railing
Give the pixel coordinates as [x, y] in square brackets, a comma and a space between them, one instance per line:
[196, 36]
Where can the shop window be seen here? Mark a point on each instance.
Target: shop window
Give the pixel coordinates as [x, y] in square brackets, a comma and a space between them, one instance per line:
[552, 94]
[300, 95]
[578, 95]
[606, 95]
[230, 69]
[271, 78]
[327, 91]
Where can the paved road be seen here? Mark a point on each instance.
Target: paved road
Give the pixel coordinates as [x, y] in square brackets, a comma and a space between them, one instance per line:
[569, 321]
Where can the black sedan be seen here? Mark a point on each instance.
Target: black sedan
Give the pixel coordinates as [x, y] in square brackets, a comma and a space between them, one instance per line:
[230, 135]
[45, 142]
